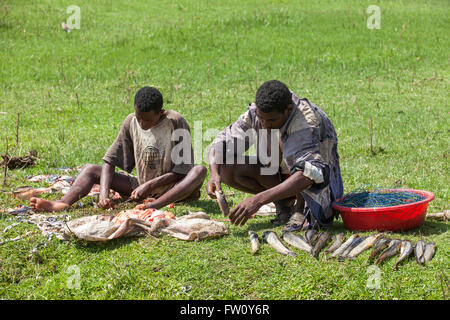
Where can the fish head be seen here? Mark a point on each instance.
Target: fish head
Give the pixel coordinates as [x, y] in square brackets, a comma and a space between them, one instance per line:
[266, 233]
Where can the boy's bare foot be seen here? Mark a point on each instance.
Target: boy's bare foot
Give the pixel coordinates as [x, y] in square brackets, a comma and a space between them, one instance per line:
[38, 204]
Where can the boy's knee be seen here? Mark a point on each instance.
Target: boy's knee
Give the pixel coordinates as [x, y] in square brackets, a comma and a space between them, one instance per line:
[200, 172]
[92, 170]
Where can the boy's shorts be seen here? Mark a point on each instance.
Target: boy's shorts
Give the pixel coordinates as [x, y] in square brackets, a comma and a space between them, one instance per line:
[133, 181]
[192, 197]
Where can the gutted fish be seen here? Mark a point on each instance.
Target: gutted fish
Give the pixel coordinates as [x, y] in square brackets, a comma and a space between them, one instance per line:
[338, 239]
[311, 236]
[275, 242]
[344, 246]
[320, 244]
[430, 249]
[380, 245]
[406, 248]
[297, 241]
[419, 251]
[254, 241]
[364, 245]
[392, 250]
[222, 201]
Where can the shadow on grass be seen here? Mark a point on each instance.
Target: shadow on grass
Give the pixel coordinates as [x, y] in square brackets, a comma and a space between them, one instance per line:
[208, 205]
[97, 247]
[428, 228]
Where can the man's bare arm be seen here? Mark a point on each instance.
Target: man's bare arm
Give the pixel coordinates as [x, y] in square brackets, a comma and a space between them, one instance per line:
[214, 168]
[288, 188]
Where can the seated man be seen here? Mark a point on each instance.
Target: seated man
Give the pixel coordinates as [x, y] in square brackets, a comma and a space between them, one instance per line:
[309, 170]
[144, 142]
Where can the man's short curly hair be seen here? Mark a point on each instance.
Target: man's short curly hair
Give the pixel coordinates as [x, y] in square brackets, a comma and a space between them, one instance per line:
[273, 95]
[148, 99]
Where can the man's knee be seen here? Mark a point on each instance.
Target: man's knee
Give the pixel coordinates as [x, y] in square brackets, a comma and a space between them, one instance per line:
[227, 174]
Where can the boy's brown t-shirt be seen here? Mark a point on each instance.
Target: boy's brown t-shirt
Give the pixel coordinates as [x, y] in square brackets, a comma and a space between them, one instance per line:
[149, 150]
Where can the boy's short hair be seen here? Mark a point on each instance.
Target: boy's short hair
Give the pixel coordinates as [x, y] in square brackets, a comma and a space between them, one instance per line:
[148, 99]
[273, 95]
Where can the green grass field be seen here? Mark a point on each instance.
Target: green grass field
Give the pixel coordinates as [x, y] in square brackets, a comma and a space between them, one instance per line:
[73, 90]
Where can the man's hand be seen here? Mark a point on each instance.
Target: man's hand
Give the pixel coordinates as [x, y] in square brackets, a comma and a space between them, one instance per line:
[212, 186]
[242, 212]
[105, 203]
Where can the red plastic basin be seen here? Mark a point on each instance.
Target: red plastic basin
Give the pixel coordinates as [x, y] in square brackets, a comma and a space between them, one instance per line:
[395, 218]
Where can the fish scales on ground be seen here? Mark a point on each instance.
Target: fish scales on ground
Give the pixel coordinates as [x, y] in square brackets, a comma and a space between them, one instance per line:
[419, 250]
[297, 241]
[392, 250]
[254, 241]
[338, 239]
[275, 242]
[379, 246]
[320, 244]
[430, 249]
[364, 245]
[344, 246]
[311, 236]
[353, 245]
[406, 248]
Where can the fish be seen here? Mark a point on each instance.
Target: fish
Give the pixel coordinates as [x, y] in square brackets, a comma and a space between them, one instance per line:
[391, 251]
[344, 246]
[429, 251]
[338, 239]
[321, 242]
[311, 236]
[419, 251]
[223, 205]
[254, 240]
[275, 242]
[406, 248]
[353, 245]
[65, 27]
[363, 246]
[297, 241]
[379, 246]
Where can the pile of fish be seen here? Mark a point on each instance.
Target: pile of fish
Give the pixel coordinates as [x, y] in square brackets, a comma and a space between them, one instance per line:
[313, 242]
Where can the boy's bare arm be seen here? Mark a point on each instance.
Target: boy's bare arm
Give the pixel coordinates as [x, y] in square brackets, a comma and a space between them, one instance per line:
[106, 178]
[145, 189]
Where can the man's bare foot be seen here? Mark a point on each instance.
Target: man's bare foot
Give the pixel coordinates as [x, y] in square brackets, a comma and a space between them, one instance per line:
[38, 204]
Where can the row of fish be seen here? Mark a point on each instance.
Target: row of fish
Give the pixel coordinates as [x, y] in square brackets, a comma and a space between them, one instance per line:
[313, 242]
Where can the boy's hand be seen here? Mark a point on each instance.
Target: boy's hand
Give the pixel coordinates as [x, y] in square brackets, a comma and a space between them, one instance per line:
[142, 206]
[140, 193]
[212, 186]
[105, 203]
[145, 205]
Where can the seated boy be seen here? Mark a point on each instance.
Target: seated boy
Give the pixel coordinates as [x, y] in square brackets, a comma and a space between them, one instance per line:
[144, 142]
